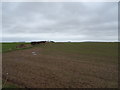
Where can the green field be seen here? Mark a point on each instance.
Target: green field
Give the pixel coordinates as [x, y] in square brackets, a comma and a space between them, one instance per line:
[86, 49]
[106, 49]
[7, 47]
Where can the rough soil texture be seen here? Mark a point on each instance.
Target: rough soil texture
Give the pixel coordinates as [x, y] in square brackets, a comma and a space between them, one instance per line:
[23, 46]
[39, 70]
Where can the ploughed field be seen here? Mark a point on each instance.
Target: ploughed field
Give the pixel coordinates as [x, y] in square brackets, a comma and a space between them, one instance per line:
[62, 65]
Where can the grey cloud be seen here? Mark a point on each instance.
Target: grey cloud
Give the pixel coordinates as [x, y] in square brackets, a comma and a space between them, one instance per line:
[77, 21]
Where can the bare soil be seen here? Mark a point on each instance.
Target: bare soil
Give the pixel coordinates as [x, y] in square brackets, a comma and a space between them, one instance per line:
[23, 46]
[55, 71]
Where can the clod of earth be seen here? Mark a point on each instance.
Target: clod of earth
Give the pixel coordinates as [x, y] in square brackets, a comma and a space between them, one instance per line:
[34, 54]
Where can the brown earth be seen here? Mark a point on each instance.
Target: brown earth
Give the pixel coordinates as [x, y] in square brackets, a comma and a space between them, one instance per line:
[37, 70]
[23, 46]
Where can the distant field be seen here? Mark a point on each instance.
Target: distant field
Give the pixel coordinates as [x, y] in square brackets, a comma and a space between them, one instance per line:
[6, 47]
[70, 65]
[87, 49]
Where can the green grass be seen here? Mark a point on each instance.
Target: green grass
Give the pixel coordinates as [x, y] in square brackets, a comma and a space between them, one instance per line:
[10, 86]
[7, 47]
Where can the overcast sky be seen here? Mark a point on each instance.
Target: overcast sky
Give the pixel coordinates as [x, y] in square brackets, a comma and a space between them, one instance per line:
[79, 21]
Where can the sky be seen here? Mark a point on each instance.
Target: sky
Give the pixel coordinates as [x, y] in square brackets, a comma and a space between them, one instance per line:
[60, 21]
